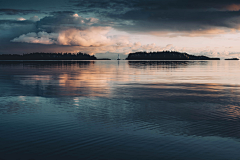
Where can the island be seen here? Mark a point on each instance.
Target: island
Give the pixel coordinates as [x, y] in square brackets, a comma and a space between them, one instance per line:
[48, 56]
[166, 55]
[232, 59]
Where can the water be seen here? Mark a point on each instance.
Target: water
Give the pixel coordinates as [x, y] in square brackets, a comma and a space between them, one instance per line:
[119, 110]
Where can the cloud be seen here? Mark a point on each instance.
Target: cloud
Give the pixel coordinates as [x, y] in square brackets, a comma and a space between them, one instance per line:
[9, 11]
[203, 17]
[91, 37]
[69, 29]
[62, 31]
[21, 19]
[179, 21]
[41, 37]
[59, 21]
[94, 36]
[232, 7]
[194, 33]
[34, 18]
[116, 5]
[10, 29]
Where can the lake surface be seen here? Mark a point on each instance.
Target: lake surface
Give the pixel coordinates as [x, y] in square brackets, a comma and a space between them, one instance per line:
[120, 110]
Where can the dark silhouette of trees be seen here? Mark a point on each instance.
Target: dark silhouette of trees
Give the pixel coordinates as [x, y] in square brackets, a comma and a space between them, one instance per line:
[48, 56]
[166, 55]
[232, 59]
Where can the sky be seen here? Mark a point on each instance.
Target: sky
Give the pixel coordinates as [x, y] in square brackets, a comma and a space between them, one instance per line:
[107, 28]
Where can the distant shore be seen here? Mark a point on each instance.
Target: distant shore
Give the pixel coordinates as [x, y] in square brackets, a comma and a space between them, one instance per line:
[166, 55]
[48, 56]
[232, 59]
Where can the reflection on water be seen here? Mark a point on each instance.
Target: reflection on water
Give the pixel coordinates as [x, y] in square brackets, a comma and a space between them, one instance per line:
[119, 110]
[44, 64]
[164, 64]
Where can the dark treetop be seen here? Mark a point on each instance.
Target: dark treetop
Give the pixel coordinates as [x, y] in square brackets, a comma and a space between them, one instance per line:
[166, 55]
[48, 56]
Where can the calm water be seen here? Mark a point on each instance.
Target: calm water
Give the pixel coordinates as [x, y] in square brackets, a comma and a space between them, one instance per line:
[110, 110]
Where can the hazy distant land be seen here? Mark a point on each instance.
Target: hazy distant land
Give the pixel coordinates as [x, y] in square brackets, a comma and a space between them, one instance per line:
[166, 55]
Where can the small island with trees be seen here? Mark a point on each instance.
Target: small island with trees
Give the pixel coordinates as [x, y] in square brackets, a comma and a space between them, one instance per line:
[48, 56]
[232, 59]
[166, 55]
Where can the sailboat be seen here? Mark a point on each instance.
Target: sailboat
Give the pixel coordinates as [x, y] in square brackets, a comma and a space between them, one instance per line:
[118, 57]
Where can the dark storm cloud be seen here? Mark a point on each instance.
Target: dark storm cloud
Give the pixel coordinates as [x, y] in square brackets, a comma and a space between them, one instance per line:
[26, 6]
[62, 13]
[167, 15]
[12, 28]
[9, 11]
[11, 22]
[187, 20]
[155, 4]
[62, 20]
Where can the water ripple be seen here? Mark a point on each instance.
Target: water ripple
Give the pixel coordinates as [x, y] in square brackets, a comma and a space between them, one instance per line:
[127, 110]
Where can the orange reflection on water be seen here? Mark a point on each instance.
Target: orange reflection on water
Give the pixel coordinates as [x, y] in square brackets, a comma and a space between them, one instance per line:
[232, 112]
[100, 78]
